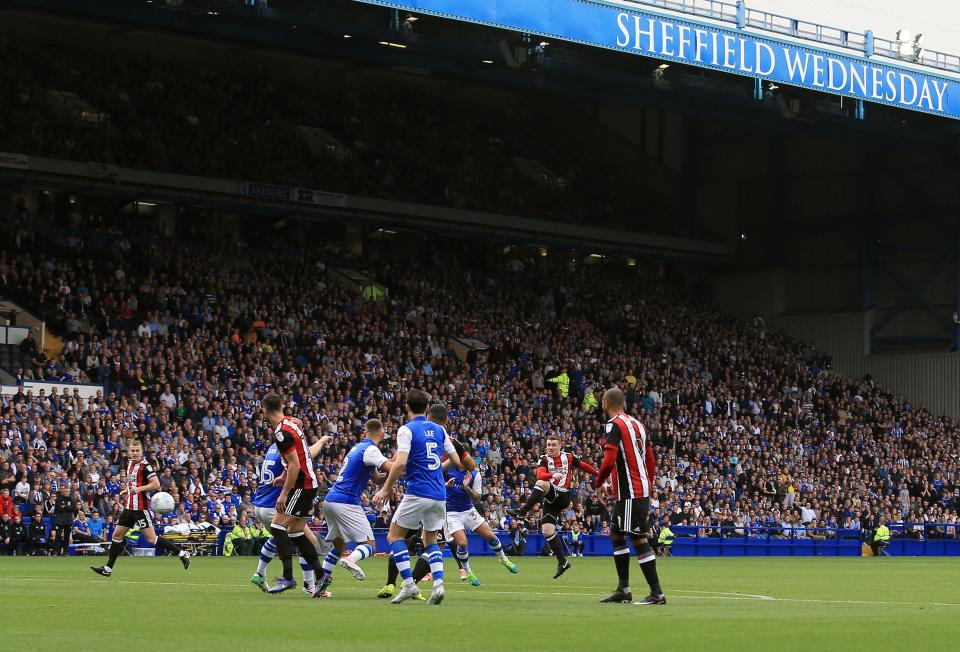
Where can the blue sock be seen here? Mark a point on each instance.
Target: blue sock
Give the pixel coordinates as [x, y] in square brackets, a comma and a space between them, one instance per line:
[497, 547]
[267, 552]
[401, 557]
[436, 563]
[309, 576]
[361, 552]
[330, 560]
[464, 556]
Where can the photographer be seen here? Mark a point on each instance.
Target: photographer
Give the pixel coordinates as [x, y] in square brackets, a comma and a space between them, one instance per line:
[518, 538]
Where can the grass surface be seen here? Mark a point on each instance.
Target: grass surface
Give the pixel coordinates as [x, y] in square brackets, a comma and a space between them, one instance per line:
[721, 603]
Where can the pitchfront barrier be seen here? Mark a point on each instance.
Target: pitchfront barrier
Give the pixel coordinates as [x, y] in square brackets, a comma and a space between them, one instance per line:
[924, 540]
[765, 542]
[908, 539]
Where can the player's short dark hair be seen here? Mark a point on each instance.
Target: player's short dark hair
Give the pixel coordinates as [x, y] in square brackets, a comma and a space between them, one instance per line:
[552, 436]
[273, 402]
[373, 425]
[438, 413]
[614, 397]
[417, 401]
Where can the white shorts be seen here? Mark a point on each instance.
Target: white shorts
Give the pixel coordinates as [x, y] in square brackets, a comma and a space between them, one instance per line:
[414, 511]
[347, 522]
[265, 515]
[469, 520]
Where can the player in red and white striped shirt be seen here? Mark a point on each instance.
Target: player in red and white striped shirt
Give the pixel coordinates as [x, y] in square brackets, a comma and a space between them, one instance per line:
[141, 479]
[554, 476]
[299, 492]
[629, 458]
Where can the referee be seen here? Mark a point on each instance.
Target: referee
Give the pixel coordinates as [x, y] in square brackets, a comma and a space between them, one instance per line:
[628, 457]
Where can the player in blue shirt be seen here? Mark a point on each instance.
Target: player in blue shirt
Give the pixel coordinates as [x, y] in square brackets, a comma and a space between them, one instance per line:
[420, 446]
[265, 504]
[343, 509]
[463, 490]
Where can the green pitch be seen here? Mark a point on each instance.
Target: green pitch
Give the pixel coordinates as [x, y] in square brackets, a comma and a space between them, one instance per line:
[741, 604]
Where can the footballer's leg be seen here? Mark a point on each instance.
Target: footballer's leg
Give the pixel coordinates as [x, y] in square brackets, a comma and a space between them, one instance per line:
[549, 531]
[267, 551]
[648, 564]
[278, 527]
[414, 545]
[151, 536]
[335, 539]
[117, 543]
[553, 505]
[541, 489]
[621, 559]
[309, 574]
[463, 556]
[396, 537]
[359, 553]
[435, 556]
[307, 547]
[353, 526]
[497, 546]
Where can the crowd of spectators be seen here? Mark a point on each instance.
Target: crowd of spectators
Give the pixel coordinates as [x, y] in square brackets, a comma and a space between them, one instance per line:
[396, 140]
[752, 430]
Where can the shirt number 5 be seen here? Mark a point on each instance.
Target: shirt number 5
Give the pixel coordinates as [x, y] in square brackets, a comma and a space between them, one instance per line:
[433, 460]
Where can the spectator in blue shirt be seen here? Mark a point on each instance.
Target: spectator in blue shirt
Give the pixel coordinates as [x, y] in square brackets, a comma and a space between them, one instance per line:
[81, 530]
[96, 527]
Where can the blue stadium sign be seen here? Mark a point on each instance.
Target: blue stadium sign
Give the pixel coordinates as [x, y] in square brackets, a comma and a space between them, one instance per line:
[619, 27]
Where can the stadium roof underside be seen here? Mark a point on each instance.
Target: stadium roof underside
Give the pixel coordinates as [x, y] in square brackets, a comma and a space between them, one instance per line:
[265, 199]
[821, 59]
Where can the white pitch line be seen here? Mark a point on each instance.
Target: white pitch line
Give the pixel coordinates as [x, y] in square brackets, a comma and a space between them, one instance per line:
[707, 595]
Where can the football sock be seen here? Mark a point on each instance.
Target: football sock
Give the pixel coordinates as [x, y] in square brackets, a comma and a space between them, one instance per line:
[557, 546]
[309, 574]
[463, 556]
[267, 552]
[401, 556]
[648, 564]
[436, 563]
[308, 552]
[361, 552]
[330, 560]
[392, 571]
[421, 569]
[116, 548]
[621, 557]
[284, 549]
[497, 547]
[169, 546]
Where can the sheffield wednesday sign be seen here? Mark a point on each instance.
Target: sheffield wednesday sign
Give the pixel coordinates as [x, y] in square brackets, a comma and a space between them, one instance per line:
[619, 27]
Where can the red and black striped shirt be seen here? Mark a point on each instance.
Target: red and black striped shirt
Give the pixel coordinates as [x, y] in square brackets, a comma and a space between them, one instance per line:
[289, 435]
[628, 458]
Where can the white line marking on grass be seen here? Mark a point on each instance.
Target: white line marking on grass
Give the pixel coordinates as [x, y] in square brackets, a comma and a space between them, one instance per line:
[703, 595]
[733, 594]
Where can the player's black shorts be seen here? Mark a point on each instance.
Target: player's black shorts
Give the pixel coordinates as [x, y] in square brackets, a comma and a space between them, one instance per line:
[554, 502]
[300, 503]
[630, 517]
[135, 518]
